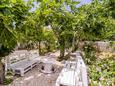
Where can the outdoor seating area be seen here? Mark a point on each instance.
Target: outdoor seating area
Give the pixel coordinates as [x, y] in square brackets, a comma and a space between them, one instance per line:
[22, 67]
[46, 64]
[24, 61]
[57, 42]
[73, 74]
[19, 55]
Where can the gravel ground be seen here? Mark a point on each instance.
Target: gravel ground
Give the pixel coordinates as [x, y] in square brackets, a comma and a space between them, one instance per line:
[35, 78]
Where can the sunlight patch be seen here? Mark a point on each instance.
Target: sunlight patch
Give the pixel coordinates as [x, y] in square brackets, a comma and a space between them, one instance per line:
[28, 78]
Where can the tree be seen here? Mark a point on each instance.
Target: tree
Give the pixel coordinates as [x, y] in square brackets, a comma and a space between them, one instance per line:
[99, 21]
[49, 39]
[10, 10]
[55, 14]
[93, 22]
[7, 38]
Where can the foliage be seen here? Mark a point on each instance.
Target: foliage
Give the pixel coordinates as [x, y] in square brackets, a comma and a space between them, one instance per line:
[7, 38]
[94, 24]
[9, 77]
[102, 72]
[71, 25]
[4, 51]
[90, 53]
[112, 45]
[12, 15]
[49, 40]
[7, 81]
[91, 22]
[55, 14]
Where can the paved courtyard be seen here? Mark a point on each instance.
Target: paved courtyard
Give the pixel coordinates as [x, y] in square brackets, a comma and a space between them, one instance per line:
[35, 78]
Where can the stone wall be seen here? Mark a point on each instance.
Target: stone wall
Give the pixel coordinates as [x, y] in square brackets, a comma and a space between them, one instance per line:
[105, 46]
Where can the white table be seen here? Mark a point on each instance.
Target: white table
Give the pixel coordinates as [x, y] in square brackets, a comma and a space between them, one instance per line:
[47, 66]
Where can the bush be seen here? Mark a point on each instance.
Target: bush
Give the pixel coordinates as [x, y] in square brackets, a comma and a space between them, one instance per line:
[102, 72]
[7, 81]
[89, 56]
[9, 77]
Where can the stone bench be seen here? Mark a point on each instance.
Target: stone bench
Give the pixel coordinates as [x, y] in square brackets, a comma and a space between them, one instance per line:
[24, 66]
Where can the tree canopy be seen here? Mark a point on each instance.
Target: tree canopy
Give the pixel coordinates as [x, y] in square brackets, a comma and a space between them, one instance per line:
[68, 23]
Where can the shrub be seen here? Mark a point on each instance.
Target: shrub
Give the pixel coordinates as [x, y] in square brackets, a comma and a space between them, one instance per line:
[102, 72]
[89, 56]
[7, 81]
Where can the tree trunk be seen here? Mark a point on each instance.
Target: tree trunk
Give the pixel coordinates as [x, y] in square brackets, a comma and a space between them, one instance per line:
[74, 43]
[62, 51]
[62, 48]
[2, 72]
[75, 46]
[39, 47]
[48, 48]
